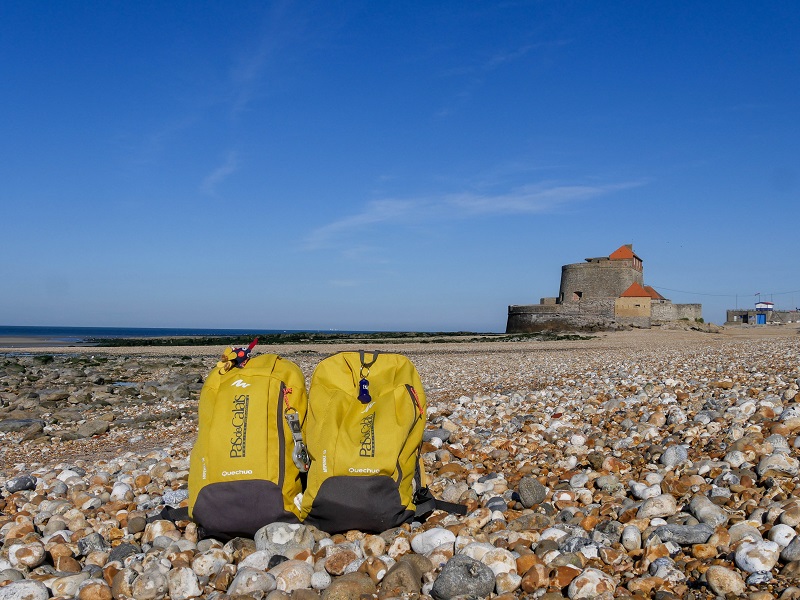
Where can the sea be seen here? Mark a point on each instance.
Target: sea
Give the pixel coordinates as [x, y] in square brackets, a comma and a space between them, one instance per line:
[81, 335]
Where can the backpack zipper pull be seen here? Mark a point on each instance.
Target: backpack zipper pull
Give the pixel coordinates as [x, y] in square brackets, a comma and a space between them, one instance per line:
[300, 456]
[363, 385]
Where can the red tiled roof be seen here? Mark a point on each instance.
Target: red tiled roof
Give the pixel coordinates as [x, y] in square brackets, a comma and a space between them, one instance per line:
[653, 294]
[623, 253]
[635, 291]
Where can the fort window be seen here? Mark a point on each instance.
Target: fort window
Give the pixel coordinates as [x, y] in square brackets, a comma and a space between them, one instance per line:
[576, 296]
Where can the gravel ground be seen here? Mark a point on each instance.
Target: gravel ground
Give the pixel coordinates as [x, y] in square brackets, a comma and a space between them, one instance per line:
[655, 463]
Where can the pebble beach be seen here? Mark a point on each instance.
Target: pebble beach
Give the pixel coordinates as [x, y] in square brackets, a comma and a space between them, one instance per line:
[656, 463]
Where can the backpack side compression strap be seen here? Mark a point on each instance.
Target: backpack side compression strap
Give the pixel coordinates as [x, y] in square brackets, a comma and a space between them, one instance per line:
[426, 504]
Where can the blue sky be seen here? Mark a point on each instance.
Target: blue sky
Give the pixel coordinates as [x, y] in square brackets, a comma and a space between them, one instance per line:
[398, 166]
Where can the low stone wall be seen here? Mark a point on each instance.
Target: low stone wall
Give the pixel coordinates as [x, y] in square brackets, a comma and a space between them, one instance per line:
[668, 311]
[591, 315]
[638, 322]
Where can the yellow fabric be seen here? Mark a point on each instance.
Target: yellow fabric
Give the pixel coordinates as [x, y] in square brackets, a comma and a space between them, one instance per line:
[348, 438]
[242, 432]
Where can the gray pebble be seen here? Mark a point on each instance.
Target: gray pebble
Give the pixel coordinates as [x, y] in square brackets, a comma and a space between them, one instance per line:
[759, 577]
[23, 482]
[674, 456]
[440, 433]
[531, 492]
[463, 576]
[685, 535]
[175, 497]
[497, 503]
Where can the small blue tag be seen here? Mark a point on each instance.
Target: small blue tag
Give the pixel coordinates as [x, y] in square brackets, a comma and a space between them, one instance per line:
[363, 392]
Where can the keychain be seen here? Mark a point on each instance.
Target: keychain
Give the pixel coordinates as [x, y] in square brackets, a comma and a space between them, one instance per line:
[363, 389]
[363, 385]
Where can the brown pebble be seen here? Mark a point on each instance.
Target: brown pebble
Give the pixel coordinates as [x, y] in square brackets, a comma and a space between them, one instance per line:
[337, 562]
[402, 577]
[349, 586]
[562, 576]
[95, 591]
[67, 564]
[704, 551]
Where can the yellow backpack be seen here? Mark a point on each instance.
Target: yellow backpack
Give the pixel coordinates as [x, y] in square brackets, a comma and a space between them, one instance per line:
[366, 415]
[244, 469]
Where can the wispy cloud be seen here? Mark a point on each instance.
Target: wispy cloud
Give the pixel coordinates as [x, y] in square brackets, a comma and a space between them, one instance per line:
[530, 199]
[378, 211]
[220, 174]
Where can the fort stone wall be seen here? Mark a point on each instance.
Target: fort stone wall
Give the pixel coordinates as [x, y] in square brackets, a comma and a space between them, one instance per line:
[589, 280]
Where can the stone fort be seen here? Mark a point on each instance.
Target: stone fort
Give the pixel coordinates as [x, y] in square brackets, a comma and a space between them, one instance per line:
[607, 292]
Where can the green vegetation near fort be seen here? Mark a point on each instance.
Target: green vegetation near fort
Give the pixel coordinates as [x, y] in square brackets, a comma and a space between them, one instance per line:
[337, 338]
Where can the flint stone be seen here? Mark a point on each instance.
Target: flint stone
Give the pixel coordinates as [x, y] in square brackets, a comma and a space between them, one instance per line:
[68, 585]
[674, 456]
[631, 538]
[183, 584]
[779, 443]
[320, 580]
[150, 585]
[18, 484]
[425, 542]
[463, 576]
[286, 539]
[792, 551]
[707, 512]
[403, 576]
[724, 581]
[608, 483]
[9, 574]
[94, 590]
[27, 589]
[759, 577]
[292, 575]
[250, 581]
[782, 534]
[744, 531]
[500, 560]
[209, 562]
[660, 506]
[531, 492]
[93, 542]
[497, 503]
[122, 551]
[778, 465]
[26, 555]
[685, 535]
[260, 559]
[429, 434]
[175, 497]
[758, 556]
[590, 584]
[348, 586]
